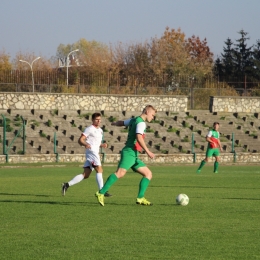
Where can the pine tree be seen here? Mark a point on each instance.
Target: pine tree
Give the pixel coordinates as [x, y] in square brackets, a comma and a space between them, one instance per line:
[256, 61]
[243, 58]
[228, 60]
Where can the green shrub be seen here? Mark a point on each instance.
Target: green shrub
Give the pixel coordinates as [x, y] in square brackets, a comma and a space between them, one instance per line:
[149, 130]
[185, 139]
[172, 130]
[9, 128]
[43, 134]
[111, 119]
[54, 112]
[49, 123]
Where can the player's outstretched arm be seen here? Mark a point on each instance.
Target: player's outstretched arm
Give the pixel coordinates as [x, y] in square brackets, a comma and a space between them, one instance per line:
[118, 123]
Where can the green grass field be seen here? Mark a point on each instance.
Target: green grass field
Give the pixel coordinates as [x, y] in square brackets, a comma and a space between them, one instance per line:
[220, 222]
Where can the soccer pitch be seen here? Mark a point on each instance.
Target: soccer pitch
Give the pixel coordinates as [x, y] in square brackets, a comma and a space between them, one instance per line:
[221, 220]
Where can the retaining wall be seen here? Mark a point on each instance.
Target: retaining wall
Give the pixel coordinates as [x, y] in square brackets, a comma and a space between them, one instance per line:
[91, 102]
[235, 104]
[226, 158]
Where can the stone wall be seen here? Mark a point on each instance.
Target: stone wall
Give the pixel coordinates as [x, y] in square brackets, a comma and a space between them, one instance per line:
[226, 158]
[91, 102]
[235, 104]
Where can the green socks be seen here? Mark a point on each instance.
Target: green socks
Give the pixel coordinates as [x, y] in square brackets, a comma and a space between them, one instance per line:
[142, 187]
[202, 164]
[110, 181]
[216, 166]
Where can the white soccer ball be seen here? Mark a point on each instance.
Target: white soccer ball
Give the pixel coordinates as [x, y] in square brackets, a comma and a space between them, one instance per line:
[182, 199]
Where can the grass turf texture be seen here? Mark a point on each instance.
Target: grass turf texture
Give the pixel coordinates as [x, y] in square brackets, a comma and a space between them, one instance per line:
[220, 222]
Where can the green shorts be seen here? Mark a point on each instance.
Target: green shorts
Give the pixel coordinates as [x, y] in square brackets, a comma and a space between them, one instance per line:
[129, 159]
[212, 152]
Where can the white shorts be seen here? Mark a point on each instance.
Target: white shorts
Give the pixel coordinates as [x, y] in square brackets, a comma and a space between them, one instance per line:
[92, 160]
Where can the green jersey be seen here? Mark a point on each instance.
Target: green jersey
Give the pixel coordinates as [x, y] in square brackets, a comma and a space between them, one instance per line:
[213, 133]
[135, 125]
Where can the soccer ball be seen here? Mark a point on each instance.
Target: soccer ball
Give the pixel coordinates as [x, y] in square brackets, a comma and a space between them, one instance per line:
[182, 199]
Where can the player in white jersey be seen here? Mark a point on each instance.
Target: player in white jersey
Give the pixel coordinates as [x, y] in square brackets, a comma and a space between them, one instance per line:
[91, 139]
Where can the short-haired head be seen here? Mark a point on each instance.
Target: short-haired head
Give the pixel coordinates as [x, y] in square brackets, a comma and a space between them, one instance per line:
[149, 107]
[95, 115]
[215, 123]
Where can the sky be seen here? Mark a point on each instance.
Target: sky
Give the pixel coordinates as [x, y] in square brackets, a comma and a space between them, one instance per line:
[40, 26]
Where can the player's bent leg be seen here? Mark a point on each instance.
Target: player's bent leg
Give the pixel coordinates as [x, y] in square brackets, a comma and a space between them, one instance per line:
[87, 172]
[203, 162]
[120, 173]
[145, 171]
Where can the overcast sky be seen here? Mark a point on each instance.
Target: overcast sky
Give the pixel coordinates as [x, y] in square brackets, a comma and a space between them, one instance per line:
[39, 26]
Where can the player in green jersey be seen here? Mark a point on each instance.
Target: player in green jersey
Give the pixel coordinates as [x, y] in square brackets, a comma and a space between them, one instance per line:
[213, 147]
[129, 155]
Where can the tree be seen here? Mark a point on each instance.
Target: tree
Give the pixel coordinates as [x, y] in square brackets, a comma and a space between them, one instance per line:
[4, 61]
[227, 61]
[93, 56]
[242, 56]
[236, 60]
[40, 65]
[200, 56]
[256, 60]
[171, 53]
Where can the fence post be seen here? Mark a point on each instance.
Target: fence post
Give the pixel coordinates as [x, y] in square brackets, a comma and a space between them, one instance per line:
[233, 143]
[24, 135]
[192, 94]
[233, 149]
[192, 148]
[101, 150]
[55, 147]
[4, 134]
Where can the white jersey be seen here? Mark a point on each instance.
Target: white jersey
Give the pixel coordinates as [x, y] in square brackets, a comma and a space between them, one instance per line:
[94, 138]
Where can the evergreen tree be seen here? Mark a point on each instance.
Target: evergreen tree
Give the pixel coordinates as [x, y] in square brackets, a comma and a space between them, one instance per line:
[219, 70]
[256, 61]
[243, 58]
[228, 61]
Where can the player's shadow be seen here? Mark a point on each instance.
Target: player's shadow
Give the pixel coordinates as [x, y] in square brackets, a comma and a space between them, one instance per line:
[62, 203]
[200, 187]
[50, 202]
[240, 199]
[34, 195]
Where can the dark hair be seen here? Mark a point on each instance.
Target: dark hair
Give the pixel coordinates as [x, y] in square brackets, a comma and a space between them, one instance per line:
[95, 115]
[215, 123]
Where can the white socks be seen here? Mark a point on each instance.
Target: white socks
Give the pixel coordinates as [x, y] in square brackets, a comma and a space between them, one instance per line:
[99, 179]
[80, 177]
[76, 179]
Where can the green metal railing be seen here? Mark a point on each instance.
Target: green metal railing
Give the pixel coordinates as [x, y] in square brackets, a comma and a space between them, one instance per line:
[55, 147]
[102, 151]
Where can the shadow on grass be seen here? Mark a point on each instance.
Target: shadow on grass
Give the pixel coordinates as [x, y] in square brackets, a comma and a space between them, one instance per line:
[50, 202]
[240, 199]
[16, 194]
[202, 187]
